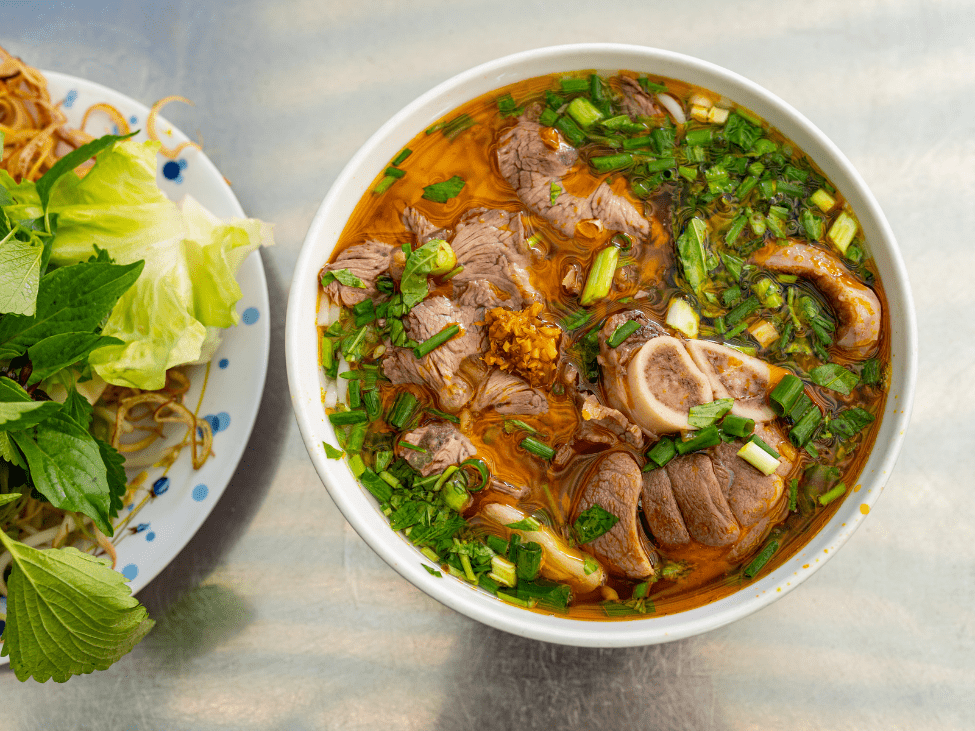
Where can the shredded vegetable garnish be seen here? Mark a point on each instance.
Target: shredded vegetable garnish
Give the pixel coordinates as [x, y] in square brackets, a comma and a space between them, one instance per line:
[33, 127]
[170, 152]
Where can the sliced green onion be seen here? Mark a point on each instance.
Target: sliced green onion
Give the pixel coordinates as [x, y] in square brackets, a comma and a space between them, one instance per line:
[356, 437]
[402, 410]
[786, 393]
[482, 470]
[414, 447]
[758, 563]
[822, 200]
[455, 496]
[528, 560]
[573, 86]
[703, 439]
[827, 497]
[443, 415]
[380, 489]
[571, 130]
[635, 143]
[584, 112]
[804, 429]
[503, 571]
[842, 231]
[793, 495]
[548, 118]
[622, 332]
[764, 445]
[384, 184]
[434, 342]
[737, 426]
[601, 274]
[610, 163]
[537, 448]
[497, 544]
[758, 458]
[401, 157]
[344, 418]
[373, 403]
[742, 310]
[661, 453]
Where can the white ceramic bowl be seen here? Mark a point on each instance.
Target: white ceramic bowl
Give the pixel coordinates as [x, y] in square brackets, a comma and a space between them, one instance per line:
[361, 510]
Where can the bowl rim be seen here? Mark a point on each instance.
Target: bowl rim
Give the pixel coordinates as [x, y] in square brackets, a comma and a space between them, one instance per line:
[360, 508]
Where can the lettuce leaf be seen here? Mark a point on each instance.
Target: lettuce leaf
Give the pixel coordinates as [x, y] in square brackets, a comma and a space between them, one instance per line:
[191, 260]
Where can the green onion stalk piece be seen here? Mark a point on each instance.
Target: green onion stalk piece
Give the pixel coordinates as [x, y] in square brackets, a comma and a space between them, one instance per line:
[758, 458]
[661, 453]
[402, 410]
[584, 112]
[622, 332]
[601, 274]
[758, 563]
[435, 341]
[479, 466]
[528, 560]
[737, 426]
[786, 393]
[455, 495]
[702, 439]
[537, 448]
[806, 427]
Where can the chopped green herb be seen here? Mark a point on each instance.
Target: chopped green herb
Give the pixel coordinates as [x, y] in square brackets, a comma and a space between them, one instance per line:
[593, 522]
[445, 190]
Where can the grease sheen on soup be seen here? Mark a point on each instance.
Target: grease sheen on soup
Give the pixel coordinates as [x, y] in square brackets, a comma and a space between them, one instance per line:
[615, 267]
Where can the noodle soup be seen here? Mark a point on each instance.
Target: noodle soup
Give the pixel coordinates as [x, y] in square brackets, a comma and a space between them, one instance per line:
[604, 346]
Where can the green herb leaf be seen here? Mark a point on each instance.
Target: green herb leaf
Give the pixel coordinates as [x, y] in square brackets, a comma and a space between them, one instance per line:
[18, 411]
[529, 524]
[9, 451]
[20, 274]
[432, 571]
[594, 522]
[8, 497]
[331, 452]
[444, 191]
[50, 355]
[413, 285]
[77, 407]
[342, 276]
[68, 613]
[67, 467]
[70, 299]
[115, 475]
[708, 414]
[834, 377]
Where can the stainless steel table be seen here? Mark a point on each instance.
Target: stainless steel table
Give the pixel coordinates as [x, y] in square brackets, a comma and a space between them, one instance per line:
[277, 616]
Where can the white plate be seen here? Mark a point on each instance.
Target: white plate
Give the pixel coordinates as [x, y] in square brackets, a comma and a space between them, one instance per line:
[237, 372]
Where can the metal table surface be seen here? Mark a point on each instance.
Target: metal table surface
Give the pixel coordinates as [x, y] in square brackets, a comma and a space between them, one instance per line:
[277, 616]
